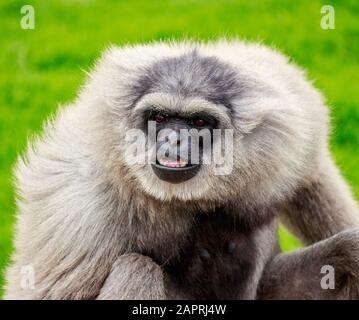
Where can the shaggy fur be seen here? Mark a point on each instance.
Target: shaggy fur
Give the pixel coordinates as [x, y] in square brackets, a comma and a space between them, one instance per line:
[93, 224]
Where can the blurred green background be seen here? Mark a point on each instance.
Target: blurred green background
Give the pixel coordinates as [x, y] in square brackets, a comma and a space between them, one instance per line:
[44, 67]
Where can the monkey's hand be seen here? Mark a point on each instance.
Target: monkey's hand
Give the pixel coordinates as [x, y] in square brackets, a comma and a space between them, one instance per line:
[134, 276]
[328, 269]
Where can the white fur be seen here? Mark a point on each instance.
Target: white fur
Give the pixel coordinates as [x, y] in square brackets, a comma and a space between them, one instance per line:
[78, 198]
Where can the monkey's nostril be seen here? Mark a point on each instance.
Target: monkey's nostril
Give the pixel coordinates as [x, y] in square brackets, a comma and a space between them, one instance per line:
[231, 246]
[204, 254]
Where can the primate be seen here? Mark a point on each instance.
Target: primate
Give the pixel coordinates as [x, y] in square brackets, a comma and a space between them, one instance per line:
[94, 224]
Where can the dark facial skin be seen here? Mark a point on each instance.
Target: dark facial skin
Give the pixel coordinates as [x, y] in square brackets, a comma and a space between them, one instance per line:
[178, 122]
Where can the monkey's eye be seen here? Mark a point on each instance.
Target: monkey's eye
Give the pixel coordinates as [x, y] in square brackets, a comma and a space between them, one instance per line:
[160, 117]
[200, 122]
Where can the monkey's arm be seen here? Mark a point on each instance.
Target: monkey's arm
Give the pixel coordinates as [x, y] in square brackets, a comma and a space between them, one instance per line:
[133, 277]
[297, 275]
[322, 207]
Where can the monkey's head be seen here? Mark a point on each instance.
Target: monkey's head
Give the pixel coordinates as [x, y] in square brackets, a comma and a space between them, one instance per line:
[207, 122]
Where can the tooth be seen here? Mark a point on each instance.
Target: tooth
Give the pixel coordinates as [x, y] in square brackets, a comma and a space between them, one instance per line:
[162, 161]
[172, 163]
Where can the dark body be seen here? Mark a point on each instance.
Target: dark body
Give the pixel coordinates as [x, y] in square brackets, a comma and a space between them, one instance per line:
[219, 257]
[231, 253]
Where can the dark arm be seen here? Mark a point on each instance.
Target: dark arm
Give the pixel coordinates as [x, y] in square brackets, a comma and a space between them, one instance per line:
[328, 269]
[322, 207]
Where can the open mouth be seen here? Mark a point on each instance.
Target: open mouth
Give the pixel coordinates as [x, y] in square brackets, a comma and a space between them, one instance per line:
[174, 171]
[171, 163]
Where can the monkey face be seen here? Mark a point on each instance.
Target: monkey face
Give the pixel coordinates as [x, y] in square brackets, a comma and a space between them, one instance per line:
[176, 163]
[182, 141]
[181, 136]
[163, 89]
[185, 116]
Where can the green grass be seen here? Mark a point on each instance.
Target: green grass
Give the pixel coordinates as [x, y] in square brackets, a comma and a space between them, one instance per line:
[43, 67]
